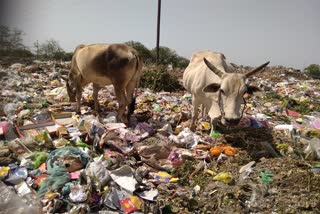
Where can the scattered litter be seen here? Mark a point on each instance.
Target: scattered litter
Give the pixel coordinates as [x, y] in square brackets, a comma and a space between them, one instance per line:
[91, 163]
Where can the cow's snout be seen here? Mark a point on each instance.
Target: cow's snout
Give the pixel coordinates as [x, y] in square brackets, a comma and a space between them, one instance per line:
[232, 121]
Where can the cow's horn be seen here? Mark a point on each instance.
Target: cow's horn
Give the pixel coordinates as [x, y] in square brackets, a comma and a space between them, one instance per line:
[213, 68]
[250, 73]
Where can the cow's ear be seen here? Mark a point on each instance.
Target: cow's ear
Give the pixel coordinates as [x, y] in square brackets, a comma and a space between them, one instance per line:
[253, 90]
[213, 87]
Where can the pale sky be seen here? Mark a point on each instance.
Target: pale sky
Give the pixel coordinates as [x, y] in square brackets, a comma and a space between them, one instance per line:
[248, 32]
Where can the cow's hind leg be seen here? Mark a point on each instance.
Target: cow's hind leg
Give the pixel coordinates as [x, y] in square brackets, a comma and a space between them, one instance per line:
[122, 100]
[96, 89]
[79, 96]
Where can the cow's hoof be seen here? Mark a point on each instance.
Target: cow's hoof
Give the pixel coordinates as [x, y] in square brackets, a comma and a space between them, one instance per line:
[122, 120]
[97, 113]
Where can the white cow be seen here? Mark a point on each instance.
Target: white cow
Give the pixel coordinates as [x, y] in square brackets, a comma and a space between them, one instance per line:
[212, 84]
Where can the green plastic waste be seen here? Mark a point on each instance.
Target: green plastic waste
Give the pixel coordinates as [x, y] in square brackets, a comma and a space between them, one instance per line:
[80, 143]
[56, 180]
[53, 162]
[57, 171]
[266, 177]
[215, 134]
[38, 158]
[157, 108]
[45, 104]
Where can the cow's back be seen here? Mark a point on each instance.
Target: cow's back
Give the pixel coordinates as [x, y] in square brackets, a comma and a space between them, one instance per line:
[197, 75]
[98, 62]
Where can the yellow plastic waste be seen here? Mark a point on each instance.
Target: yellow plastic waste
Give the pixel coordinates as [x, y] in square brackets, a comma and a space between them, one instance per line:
[213, 173]
[205, 125]
[164, 177]
[4, 171]
[226, 177]
[250, 105]
[178, 130]
[136, 201]
[174, 180]
[51, 195]
[54, 83]
[44, 138]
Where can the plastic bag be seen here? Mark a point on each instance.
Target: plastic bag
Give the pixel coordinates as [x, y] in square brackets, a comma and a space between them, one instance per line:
[10, 202]
[313, 149]
[78, 193]
[10, 109]
[186, 137]
[98, 174]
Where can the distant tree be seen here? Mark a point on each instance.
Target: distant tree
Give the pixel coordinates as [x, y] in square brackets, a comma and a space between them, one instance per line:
[16, 39]
[182, 62]
[143, 51]
[50, 49]
[168, 56]
[11, 42]
[4, 38]
[313, 70]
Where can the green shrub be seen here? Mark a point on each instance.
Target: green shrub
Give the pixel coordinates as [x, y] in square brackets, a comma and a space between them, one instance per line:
[61, 55]
[313, 70]
[158, 78]
[143, 51]
[167, 56]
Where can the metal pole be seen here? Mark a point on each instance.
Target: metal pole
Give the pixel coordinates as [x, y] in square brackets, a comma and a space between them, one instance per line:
[158, 29]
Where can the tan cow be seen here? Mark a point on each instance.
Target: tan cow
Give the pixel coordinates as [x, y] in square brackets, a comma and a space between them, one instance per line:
[213, 85]
[105, 64]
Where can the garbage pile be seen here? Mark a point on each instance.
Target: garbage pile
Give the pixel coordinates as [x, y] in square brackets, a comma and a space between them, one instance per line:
[55, 161]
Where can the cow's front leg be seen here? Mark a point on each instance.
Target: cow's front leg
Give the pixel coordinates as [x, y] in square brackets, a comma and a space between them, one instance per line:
[203, 112]
[214, 115]
[213, 122]
[96, 89]
[195, 104]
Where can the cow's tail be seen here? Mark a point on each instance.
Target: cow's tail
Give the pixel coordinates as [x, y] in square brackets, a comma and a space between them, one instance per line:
[137, 77]
[74, 64]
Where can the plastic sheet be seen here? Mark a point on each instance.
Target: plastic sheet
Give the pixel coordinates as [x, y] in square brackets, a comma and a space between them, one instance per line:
[124, 177]
[68, 157]
[58, 177]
